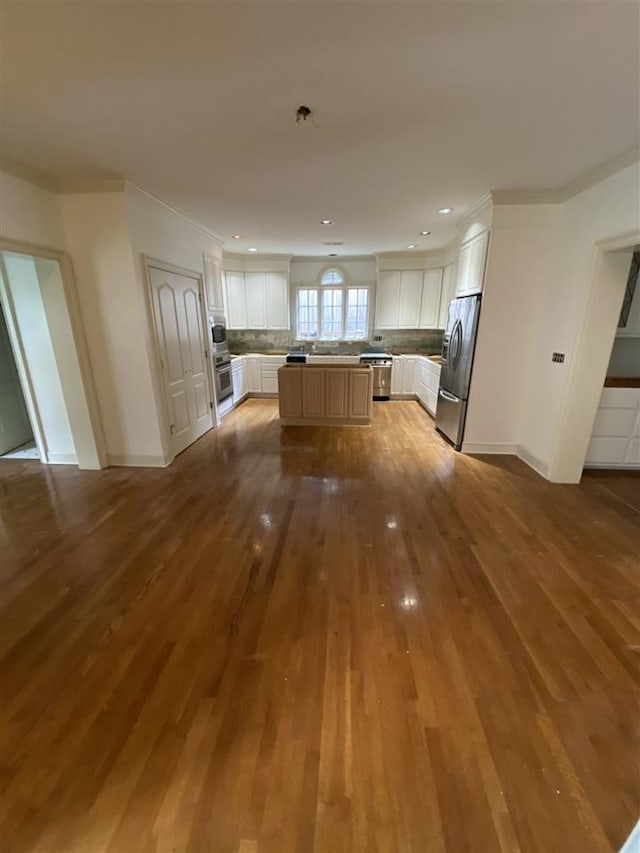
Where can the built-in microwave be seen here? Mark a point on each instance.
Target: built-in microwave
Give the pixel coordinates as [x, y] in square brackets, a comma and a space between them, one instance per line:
[218, 333]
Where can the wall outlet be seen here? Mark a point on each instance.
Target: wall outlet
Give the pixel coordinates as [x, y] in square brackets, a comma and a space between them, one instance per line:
[557, 357]
[377, 337]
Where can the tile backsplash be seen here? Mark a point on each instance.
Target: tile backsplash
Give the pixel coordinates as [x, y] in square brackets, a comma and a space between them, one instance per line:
[426, 341]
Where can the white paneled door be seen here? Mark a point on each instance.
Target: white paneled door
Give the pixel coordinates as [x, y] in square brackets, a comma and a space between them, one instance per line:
[183, 345]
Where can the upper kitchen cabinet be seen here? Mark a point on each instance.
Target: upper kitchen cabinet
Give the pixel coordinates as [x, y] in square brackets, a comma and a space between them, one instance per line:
[257, 300]
[449, 282]
[398, 299]
[471, 265]
[431, 295]
[236, 300]
[213, 285]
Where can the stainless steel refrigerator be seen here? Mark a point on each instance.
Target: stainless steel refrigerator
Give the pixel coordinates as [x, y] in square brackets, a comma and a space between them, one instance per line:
[458, 345]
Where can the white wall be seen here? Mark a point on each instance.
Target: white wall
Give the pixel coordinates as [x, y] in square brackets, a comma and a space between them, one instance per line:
[308, 271]
[29, 213]
[625, 357]
[39, 356]
[99, 240]
[160, 232]
[560, 410]
[517, 276]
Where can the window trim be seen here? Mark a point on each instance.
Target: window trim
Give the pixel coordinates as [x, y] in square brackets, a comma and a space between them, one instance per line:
[345, 287]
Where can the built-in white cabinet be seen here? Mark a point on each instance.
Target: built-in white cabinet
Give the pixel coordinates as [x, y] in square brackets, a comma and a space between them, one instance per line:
[213, 285]
[409, 374]
[449, 283]
[615, 439]
[431, 295]
[257, 300]
[471, 265]
[239, 377]
[396, 375]
[408, 299]
[427, 382]
[254, 378]
[269, 366]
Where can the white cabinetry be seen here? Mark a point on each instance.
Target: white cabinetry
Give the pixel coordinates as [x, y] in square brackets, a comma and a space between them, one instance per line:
[409, 363]
[396, 375]
[427, 382]
[615, 440]
[213, 285]
[257, 300]
[236, 300]
[269, 365]
[254, 378]
[449, 282]
[408, 299]
[431, 294]
[239, 377]
[471, 265]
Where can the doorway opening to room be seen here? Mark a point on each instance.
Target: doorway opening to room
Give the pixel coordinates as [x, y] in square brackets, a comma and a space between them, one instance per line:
[49, 410]
[17, 440]
[615, 438]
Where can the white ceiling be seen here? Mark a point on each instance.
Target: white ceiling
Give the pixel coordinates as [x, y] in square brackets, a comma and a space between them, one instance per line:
[416, 105]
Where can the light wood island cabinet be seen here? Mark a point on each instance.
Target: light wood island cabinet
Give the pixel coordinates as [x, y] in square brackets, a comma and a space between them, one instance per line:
[329, 395]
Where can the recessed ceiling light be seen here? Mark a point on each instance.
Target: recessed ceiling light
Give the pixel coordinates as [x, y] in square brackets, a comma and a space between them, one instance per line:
[446, 210]
[252, 249]
[237, 236]
[333, 254]
[425, 233]
[412, 246]
[326, 222]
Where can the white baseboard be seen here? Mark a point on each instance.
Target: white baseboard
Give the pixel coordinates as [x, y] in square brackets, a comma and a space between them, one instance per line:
[530, 460]
[614, 466]
[133, 461]
[62, 458]
[499, 449]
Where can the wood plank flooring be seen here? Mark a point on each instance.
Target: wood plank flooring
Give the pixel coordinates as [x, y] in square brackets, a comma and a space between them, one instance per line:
[315, 639]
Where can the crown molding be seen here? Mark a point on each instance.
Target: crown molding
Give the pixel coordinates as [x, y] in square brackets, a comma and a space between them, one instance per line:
[28, 173]
[129, 185]
[85, 186]
[325, 259]
[254, 256]
[578, 185]
[485, 201]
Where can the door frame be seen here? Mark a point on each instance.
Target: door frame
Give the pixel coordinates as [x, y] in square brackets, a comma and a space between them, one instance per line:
[89, 423]
[165, 266]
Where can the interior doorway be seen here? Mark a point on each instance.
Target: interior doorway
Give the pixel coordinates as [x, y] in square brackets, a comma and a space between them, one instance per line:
[16, 433]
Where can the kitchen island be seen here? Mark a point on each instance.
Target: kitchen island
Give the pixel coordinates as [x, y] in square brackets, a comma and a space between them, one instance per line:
[337, 394]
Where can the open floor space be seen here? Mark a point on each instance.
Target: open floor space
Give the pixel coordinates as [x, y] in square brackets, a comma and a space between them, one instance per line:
[318, 639]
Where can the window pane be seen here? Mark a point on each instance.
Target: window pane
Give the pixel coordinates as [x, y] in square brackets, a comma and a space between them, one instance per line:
[307, 314]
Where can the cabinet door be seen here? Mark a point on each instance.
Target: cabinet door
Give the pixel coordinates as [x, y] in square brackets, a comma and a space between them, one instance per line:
[336, 393]
[360, 393]
[236, 300]
[410, 299]
[471, 265]
[237, 375]
[396, 375]
[277, 301]
[431, 293]
[409, 375]
[387, 300]
[254, 378]
[213, 285]
[313, 392]
[256, 284]
[449, 281]
[290, 392]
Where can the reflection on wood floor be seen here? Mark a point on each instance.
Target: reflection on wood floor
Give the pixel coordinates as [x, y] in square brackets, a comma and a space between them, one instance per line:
[317, 639]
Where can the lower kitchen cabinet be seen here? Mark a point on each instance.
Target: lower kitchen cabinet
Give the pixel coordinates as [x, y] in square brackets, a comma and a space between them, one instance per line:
[290, 392]
[269, 366]
[337, 393]
[360, 393]
[313, 381]
[409, 374]
[254, 378]
[239, 377]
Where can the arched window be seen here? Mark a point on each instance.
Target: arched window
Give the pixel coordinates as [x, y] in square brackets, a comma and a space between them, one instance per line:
[334, 310]
[332, 276]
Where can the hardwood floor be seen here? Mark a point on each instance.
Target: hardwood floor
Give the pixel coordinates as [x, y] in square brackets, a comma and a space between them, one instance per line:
[317, 639]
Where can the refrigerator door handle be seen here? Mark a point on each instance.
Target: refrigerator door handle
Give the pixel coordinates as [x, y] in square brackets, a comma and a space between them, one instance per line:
[455, 345]
[448, 396]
